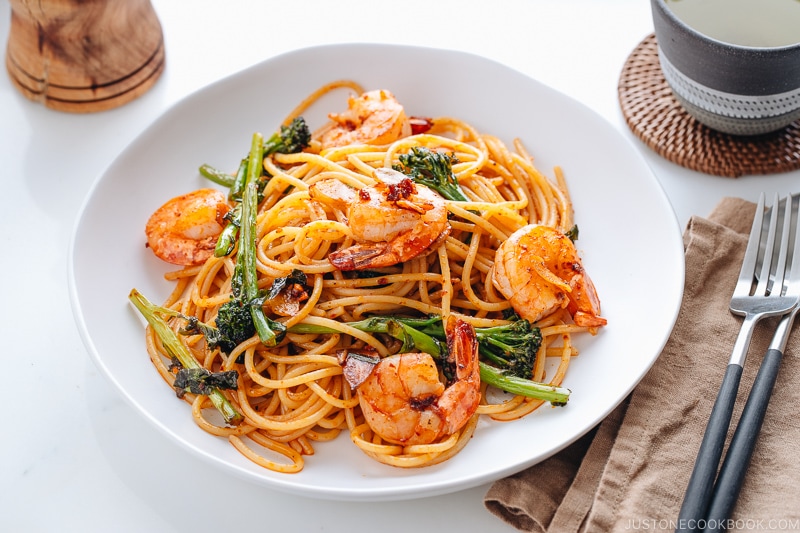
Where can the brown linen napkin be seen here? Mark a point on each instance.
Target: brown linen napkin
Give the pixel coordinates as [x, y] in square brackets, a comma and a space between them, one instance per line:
[630, 472]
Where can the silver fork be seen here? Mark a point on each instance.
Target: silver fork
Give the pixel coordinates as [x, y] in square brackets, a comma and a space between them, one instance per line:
[740, 450]
[754, 303]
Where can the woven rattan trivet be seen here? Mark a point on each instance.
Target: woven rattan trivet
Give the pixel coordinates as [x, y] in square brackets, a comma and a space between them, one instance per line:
[656, 117]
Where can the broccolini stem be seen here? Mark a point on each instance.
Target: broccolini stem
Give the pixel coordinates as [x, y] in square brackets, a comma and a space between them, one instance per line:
[247, 246]
[304, 329]
[237, 186]
[217, 176]
[413, 339]
[227, 239]
[525, 387]
[175, 348]
[273, 143]
[246, 258]
[452, 192]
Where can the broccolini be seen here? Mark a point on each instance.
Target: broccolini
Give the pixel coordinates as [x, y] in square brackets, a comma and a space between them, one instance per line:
[180, 353]
[511, 349]
[288, 140]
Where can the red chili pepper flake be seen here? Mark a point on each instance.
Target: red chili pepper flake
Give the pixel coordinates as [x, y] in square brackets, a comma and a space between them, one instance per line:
[401, 190]
[420, 124]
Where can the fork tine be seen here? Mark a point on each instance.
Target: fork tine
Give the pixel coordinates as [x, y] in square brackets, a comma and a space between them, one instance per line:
[745, 282]
[766, 263]
[783, 255]
[793, 283]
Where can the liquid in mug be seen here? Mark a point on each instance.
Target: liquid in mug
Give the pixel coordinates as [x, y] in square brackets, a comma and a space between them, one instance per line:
[756, 23]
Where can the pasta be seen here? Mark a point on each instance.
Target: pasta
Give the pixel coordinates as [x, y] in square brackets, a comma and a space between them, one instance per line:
[294, 395]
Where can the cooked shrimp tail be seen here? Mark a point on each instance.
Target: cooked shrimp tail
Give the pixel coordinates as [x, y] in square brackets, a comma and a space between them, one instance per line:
[363, 256]
[584, 303]
[462, 395]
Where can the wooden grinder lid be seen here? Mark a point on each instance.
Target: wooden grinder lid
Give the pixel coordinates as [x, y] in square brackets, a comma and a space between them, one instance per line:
[80, 56]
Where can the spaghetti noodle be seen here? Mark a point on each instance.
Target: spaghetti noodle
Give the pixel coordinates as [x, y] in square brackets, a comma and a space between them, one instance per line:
[294, 394]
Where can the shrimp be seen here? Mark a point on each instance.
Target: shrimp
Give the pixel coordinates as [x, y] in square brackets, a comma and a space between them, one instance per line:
[538, 269]
[392, 221]
[184, 230]
[404, 401]
[375, 117]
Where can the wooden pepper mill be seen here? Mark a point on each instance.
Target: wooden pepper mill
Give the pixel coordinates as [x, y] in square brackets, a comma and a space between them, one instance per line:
[84, 55]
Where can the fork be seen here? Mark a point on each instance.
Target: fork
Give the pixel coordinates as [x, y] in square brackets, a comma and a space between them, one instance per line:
[754, 304]
[740, 450]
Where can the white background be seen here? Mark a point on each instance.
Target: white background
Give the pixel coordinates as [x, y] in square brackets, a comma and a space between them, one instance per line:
[71, 451]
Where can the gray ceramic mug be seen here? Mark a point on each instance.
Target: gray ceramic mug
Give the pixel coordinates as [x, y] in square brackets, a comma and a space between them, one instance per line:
[741, 90]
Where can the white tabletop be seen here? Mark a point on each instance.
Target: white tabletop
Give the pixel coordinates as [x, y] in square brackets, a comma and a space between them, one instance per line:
[73, 455]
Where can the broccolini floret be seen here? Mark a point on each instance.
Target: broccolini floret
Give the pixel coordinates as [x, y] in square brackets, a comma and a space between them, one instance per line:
[511, 347]
[290, 139]
[234, 326]
[434, 170]
[203, 381]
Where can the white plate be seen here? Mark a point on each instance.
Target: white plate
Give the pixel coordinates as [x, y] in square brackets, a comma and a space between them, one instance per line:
[629, 238]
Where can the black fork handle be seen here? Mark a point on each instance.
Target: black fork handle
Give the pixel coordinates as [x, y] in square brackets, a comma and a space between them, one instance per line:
[701, 483]
[740, 450]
